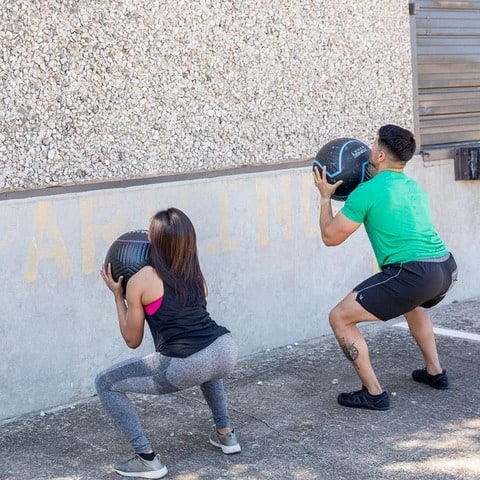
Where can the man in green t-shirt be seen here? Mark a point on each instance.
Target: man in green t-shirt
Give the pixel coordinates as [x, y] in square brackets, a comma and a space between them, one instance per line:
[416, 268]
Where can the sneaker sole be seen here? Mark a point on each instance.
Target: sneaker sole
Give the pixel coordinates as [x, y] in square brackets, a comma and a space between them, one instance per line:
[228, 450]
[152, 475]
[441, 387]
[365, 407]
[380, 409]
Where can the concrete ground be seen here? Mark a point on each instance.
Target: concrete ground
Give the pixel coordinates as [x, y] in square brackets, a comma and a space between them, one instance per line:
[283, 404]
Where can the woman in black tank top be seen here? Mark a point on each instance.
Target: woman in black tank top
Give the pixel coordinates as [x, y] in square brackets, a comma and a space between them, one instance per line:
[191, 348]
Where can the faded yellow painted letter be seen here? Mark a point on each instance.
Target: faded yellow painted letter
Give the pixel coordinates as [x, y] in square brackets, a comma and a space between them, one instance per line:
[92, 231]
[47, 242]
[271, 205]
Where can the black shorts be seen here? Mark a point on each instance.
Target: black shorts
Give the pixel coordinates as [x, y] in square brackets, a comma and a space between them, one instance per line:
[399, 288]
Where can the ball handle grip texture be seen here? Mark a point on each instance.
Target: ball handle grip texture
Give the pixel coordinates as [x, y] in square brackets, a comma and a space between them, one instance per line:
[127, 255]
[345, 159]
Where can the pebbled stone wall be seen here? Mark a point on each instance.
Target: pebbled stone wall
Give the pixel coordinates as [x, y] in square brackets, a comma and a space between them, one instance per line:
[101, 90]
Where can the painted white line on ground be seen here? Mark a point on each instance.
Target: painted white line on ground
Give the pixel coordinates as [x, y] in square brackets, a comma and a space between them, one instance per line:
[447, 332]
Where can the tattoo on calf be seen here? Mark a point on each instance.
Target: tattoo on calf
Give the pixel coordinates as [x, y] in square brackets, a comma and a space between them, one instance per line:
[350, 351]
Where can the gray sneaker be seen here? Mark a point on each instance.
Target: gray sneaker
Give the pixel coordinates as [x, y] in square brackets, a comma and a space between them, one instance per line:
[138, 467]
[228, 442]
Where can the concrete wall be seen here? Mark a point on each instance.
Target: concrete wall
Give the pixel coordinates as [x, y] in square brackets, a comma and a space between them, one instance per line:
[271, 280]
[258, 245]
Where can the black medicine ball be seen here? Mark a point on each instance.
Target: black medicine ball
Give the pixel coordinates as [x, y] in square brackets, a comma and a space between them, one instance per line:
[128, 254]
[346, 159]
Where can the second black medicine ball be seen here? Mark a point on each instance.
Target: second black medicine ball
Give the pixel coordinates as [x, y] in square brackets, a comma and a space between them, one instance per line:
[346, 159]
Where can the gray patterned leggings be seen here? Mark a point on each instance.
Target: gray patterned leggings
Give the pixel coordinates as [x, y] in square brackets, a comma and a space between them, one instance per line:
[156, 374]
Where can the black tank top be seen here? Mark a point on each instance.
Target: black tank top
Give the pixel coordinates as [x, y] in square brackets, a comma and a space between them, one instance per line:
[181, 330]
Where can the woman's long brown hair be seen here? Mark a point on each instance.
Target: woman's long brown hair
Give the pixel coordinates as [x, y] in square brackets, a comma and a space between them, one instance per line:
[174, 254]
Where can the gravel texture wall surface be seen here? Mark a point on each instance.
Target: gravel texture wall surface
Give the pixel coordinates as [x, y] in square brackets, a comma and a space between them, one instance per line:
[99, 90]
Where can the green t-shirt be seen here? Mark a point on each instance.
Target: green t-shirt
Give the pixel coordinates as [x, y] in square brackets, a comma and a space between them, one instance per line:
[396, 213]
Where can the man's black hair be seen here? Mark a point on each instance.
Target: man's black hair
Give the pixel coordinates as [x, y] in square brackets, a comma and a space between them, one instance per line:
[399, 142]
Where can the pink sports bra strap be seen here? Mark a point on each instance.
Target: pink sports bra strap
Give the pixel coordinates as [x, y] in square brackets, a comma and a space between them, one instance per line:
[151, 308]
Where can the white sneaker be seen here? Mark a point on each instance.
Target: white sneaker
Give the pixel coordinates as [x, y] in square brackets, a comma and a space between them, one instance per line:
[228, 442]
[138, 467]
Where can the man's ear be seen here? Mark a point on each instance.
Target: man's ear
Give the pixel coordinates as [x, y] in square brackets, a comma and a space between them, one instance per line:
[382, 156]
